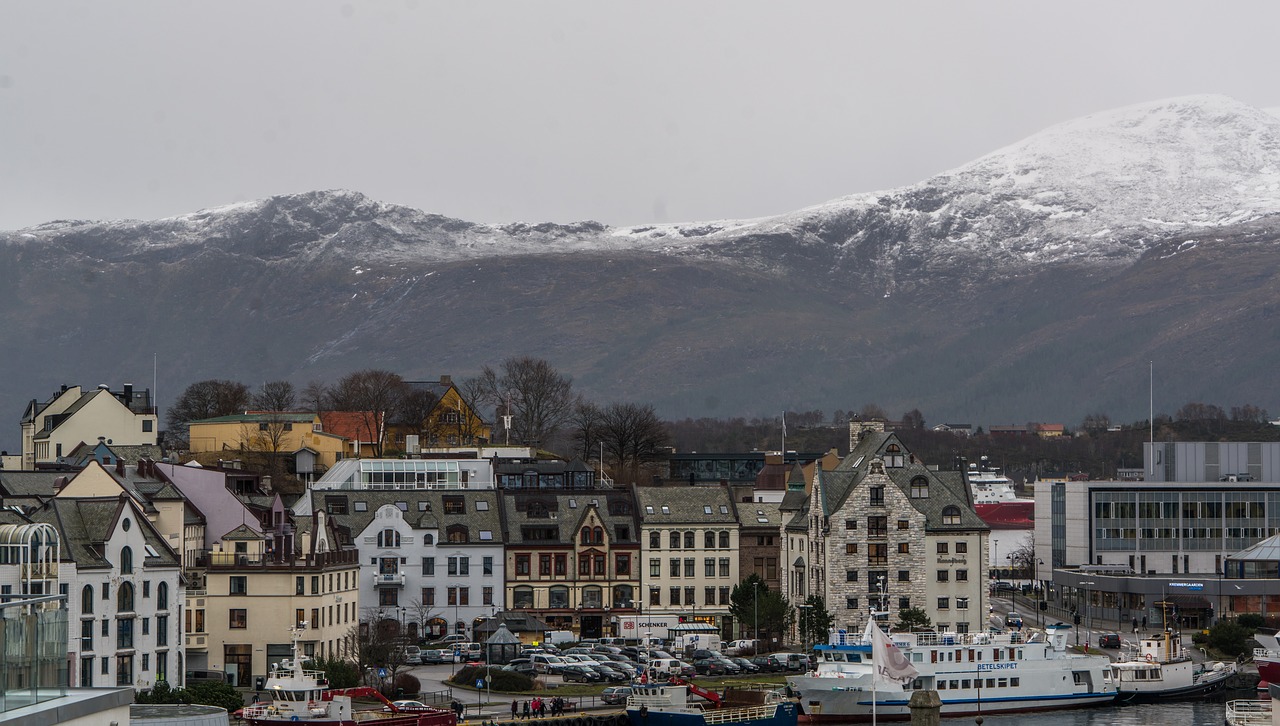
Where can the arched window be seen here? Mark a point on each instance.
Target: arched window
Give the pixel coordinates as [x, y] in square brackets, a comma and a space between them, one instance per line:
[162, 596]
[124, 598]
[592, 597]
[919, 488]
[724, 540]
[126, 561]
[388, 538]
[86, 600]
[522, 597]
[428, 538]
[655, 541]
[597, 535]
[675, 540]
[709, 540]
[623, 596]
[951, 514]
[458, 533]
[586, 535]
[558, 597]
[688, 540]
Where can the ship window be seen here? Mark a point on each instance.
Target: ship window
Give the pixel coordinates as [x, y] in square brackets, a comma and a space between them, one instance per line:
[1013, 682]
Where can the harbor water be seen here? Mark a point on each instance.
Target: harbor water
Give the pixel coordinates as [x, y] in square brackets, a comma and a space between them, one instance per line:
[1200, 713]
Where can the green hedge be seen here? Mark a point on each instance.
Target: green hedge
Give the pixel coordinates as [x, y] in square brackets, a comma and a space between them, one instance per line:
[496, 678]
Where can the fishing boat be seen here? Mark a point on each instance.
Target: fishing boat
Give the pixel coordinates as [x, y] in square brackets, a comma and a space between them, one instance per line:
[1159, 669]
[1267, 658]
[303, 696]
[668, 704]
[972, 673]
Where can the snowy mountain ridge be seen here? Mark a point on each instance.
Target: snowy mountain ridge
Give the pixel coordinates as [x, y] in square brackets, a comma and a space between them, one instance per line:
[1099, 188]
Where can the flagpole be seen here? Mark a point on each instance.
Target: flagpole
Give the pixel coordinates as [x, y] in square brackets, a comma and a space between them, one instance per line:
[875, 670]
[784, 440]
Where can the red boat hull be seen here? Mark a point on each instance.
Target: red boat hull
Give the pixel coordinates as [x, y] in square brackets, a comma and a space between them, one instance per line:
[1008, 515]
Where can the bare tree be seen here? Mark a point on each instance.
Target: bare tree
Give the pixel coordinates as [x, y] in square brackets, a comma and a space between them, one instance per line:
[1249, 413]
[316, 396]
[412, 410]
[913, 420]
[632, 436]
[871, 411]
[206, 399]
[587, 424]
[275, 396]
[541, 397]
[373, 394]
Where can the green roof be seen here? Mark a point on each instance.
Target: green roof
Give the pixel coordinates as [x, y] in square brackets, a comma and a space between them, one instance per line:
[260, 418]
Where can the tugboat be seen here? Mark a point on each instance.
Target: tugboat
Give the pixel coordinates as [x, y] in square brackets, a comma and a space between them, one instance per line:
[668, 705]
[303, 696]
[1160, 670]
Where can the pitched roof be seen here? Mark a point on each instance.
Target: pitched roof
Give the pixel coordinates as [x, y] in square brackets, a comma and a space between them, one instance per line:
[85, 523]
[351, 425]
[433, 516]
[564, 510]
[686, 505]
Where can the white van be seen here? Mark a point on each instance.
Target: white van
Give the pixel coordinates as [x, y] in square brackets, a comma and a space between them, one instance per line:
[666, 667]
[546, 663]
[699, 641]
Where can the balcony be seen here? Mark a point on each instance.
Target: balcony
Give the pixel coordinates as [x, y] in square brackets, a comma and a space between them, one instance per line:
[388, 579]
[40, 571]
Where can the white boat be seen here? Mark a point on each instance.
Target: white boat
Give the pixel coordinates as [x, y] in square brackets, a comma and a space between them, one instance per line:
[1159, 669]
[996, 502]
[978, 673]
[1249, 712]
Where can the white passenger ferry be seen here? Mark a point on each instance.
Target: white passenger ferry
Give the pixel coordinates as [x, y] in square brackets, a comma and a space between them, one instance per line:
[972, 674]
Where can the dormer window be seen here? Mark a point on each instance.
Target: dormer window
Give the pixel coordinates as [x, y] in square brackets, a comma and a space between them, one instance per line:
[919, 488]
[951, 514]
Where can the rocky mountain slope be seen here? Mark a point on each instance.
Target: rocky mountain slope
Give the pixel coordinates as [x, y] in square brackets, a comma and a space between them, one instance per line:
[1033, 283]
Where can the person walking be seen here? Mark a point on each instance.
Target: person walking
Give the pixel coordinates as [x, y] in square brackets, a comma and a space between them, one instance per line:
[515, 709]
[526, 710]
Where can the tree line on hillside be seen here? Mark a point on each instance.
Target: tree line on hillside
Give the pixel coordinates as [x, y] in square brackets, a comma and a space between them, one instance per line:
[526, 399]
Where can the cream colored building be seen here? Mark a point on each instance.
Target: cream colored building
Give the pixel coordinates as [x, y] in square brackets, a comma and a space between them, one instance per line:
[256, 595]
[283, 433]
[73, 416]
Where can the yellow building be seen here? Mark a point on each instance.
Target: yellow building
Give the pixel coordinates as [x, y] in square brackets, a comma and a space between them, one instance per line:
[280, 433]
[451, 421]
[256, 595]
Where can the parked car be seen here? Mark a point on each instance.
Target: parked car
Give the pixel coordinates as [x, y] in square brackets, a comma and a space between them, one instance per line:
[746, 665]
[576, 650]
[606, 649]
[769, 663]
[411, 654]
[1109, 640]
[437, 655]
[580, 673]
[610, 674]
[709, 667]
[520, 666]
[1001, 586]
[700, 653]
[407, 706]
[730, 668]
[199, 676]
[448, 640]
[547, 663]
[615, 695]
[793, 661]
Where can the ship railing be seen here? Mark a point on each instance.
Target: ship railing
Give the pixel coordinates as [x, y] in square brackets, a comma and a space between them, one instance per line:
[1265, 653]
[751, 713]
[1248, 712]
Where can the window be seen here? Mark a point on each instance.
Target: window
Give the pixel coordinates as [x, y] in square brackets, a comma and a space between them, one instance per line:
[851, 603]
[544, 565]
[962, 548]
[724, 540]
[486, 566]
[919, 488]
[904, 603]
[124, 670]
[584, 566]
[877, 526]
[655, 541]
[850, 524]
[877, 553]
[147, 425]
[904, 548]
[599, 562]
[388, 538]
[239, 585]
[893, 456]
[850, 575]
[487, 596]
[586, 535]
[162, 630]
[688, 540]
[655, 596]
[944, 575]
[464, 595]
[709, 567]
[428, 567]
[962, 603]
[597, 535]
[452, 596]
[239, 619]
[675, 567]
[689, 565]
[124, 598]
[675, 540]
[522, 565]
[428, 596]
[851, 548]
[655, 567]
[944, 603]
[951, 514]
[300, 618]
[875, 496]
[126, 560]
[461, 566]
[562, 565]
[146, 589]
[724, 566]
[943, 548]
[690, 596]
[482, 506]
[709, 538]
[904, 575]
[709, 593]
[315, 584]
[962, 575]
[706, 509]
[675, 596]
[622, 565]
[455, 505]
[904, 524]
[86, 600]
[457, 533]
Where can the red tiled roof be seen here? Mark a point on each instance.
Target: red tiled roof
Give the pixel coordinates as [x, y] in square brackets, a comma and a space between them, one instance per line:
[350, 425]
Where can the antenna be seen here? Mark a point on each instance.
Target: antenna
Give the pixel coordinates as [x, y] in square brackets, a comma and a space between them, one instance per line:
[1151, 400]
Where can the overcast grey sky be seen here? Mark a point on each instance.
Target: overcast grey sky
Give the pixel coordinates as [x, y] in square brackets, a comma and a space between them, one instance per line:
[561, 111]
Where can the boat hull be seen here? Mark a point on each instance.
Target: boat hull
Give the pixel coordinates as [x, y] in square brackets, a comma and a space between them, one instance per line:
[898, 709]
[785, 714]
[1017, 514]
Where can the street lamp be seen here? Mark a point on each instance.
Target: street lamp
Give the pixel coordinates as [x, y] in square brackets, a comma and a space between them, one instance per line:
[1087, 620]
[804, 633]
[755, 604]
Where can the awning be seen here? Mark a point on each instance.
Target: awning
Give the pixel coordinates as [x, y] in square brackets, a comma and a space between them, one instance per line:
[1185, 602]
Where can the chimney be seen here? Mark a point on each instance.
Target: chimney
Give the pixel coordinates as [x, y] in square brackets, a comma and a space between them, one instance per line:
[59, 483]
[266, 483]
[128, 394]
[120, 467]
[142, 467]
[446, 380]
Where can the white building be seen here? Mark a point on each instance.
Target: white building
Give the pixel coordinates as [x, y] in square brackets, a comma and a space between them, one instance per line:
[430, 561]
[73, 416]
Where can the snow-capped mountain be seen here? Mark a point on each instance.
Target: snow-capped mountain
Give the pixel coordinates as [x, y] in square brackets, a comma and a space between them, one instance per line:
[1144, 231]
